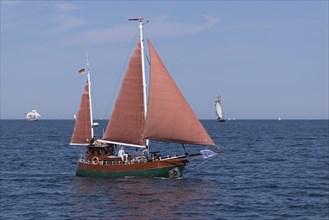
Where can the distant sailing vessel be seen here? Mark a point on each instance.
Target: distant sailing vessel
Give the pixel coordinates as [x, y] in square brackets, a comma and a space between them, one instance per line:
[134, 122]
[219, 110]
[33, 115]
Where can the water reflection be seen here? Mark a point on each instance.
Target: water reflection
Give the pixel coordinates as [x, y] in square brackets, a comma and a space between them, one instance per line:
[138, 197]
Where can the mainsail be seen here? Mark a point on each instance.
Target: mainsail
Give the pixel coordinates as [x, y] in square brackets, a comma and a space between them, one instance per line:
[169, 116]
[127, 120]
[219, 110]
[82, 132]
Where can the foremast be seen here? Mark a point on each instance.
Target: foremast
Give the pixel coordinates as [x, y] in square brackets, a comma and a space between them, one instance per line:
[90, 102]
[83, 129]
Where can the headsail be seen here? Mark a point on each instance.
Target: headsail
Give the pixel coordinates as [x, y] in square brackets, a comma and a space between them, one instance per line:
[82, 132]
[169, 116]
[127, 121]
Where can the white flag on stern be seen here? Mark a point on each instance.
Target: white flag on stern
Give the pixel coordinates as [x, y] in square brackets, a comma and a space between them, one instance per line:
[207, 153]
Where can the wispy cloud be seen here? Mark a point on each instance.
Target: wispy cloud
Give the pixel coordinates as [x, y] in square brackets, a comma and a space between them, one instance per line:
[64, 20]
[111, 35]
[159, 26]
[65, 6]
[162, 27]
[67, 22]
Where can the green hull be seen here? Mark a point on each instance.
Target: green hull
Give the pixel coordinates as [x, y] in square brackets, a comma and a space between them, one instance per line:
[166, 172]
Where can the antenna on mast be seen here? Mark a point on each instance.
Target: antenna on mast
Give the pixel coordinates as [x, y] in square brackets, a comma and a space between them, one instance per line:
[87, 64]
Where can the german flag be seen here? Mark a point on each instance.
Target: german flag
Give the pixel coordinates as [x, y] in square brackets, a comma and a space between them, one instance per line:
[82, 71]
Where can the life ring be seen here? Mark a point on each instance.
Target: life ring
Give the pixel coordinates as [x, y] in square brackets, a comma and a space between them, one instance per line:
[95, 160]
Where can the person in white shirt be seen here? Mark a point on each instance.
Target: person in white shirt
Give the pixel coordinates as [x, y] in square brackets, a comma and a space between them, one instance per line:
[122, 154]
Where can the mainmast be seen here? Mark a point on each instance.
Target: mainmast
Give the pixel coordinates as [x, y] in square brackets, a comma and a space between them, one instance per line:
[140, 27]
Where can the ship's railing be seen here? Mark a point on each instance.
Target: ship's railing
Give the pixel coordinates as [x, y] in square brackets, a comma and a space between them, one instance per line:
[134, 160]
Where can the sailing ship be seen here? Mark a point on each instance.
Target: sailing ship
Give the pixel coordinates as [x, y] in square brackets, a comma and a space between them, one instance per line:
[134, 122]
[32, 115]
[219, 110]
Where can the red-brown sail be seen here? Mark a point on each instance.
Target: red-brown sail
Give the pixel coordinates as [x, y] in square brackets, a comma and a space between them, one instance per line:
[82, 129]
[127, 121]
[169, 116]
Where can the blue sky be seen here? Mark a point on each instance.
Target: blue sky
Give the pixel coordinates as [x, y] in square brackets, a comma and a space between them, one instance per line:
[267, 59]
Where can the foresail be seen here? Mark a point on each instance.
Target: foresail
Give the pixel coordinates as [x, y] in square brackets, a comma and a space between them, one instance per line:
[82, 129]
[169, 116]
[127, 121]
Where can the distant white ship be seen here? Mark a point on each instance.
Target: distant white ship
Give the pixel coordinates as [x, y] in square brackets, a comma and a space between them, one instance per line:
[33, 115]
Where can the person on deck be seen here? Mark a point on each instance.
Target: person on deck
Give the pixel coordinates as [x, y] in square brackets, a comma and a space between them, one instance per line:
[111, 149]
[123, 154]
[146, 153]
[93, 140]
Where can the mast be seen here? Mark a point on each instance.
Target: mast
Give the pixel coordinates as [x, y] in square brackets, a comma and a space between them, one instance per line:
[83, 129]
[140, 27]
[89, 88]
[126, 124]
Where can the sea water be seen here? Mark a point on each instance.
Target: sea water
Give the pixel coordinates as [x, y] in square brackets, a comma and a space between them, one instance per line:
[268, 170]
